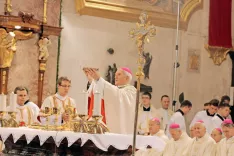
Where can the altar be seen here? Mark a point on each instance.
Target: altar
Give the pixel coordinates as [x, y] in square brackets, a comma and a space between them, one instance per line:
[26, 141]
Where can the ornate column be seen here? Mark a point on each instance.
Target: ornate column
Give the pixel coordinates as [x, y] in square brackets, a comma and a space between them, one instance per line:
[43, 44]
[8, 9]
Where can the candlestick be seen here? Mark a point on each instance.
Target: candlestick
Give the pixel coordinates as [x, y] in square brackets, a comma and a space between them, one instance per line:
[97, 104]
[82, 104]
[13, 102]
[2, 102]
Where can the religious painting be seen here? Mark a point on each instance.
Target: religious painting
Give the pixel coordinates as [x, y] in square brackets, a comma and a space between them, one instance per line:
[194, 60]
[162, 12]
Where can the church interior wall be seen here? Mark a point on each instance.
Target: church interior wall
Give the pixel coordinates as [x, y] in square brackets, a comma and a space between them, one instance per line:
[85, 41]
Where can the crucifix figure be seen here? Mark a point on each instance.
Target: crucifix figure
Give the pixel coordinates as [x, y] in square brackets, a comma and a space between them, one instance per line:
[142, 33]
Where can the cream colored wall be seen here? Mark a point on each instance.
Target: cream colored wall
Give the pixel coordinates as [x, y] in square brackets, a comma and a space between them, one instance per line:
[85, 40]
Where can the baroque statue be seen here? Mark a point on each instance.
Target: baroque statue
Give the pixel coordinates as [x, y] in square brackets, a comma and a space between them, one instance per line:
[7, 48]
[110, 74]
[148, 59]
[43, 48]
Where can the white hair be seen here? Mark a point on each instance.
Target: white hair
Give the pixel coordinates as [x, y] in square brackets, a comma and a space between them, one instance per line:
[128, 75]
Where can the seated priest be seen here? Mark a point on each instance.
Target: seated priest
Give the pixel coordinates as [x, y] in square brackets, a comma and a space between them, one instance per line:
[146, 112]
[120, 100]
[154, 130]
[226, 145]
[202, 144]
[25, 115]
[59, 103]
[32, 105]
[217, 135]
[165, 113]
[207, 115]
[179, 142]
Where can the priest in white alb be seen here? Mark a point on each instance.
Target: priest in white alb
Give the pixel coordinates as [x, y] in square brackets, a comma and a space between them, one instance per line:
[25, 115]
[145, 113]
[59, 102]
[202, 144]
[179, 142]
[226, 145]
[120, 100]
[207, 115]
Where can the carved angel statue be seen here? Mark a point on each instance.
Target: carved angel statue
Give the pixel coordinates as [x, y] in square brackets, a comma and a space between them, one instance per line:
[43, 48]
[148, 60]
[7, 48]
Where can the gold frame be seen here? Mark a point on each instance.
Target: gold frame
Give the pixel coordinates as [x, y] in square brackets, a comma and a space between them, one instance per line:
[115, 11]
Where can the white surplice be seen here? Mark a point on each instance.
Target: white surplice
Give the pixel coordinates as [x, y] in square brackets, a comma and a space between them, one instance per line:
[164, 116]
[144, 118]
[225, 147]
[178, 118]
[177, 148]
[60, 103]
[217, 121]
[119, 106]
[204, 146]
[206, 118]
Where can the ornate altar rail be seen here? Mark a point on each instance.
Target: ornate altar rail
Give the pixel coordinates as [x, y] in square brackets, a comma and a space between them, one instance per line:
[101, 141]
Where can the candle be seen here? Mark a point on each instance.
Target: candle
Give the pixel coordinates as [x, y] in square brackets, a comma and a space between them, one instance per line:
[13, 102]
[3, 102]
[82, 104]
[97, 104]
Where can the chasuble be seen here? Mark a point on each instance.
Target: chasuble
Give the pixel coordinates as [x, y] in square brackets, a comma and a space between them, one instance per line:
[119, 106]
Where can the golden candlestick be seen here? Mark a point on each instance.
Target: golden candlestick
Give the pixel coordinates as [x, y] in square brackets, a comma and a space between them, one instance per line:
[141, 34]
[3, 122]
[8, 7]
[45, 12]
[47, 113]
[96, 126]
[81, 125]
[12, 121]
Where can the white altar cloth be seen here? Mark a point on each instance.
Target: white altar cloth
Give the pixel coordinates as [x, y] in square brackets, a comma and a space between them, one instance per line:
[102, 141]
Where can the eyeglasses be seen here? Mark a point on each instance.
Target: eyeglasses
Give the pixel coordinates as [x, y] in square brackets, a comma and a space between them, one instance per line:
[65, 86]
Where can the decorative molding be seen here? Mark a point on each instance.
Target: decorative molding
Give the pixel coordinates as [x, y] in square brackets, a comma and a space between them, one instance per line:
[217, 54]
[189, 8]
[100, 8]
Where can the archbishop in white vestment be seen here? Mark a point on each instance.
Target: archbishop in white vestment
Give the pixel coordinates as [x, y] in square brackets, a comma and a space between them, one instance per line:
[179, 142]
[226, 145]
[120, 100]
[202, 144]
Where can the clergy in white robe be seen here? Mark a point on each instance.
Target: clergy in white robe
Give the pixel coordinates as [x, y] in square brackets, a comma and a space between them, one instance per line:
[207, 115]
[178, 116]
[154, 130]
[24, 114]
[164, 112]
[223, 113]
[217, 134]
[202, 144]
[179, 142]
[120, 100]
[60, 101]
[226, 145]
[33, 107]
[145, 113]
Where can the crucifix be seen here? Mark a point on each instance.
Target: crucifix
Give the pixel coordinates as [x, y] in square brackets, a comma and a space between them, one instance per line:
[141, 34]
